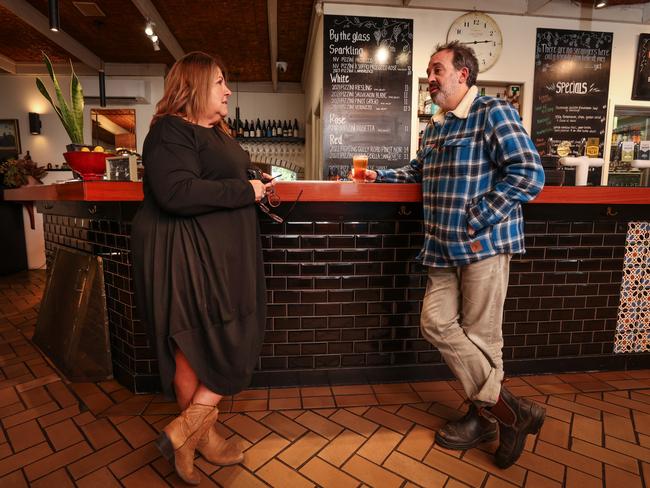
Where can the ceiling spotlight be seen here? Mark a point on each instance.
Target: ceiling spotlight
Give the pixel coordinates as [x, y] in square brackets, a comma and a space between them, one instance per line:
[600, 3]
[156, 46]
[53, 14]
[154, 38]
[149, 28]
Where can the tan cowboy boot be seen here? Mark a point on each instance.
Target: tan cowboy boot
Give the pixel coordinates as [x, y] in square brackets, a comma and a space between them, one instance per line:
[217, 450]
[178, 440]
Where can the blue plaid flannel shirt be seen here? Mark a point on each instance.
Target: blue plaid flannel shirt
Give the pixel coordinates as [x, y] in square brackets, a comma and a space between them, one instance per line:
[475, 171]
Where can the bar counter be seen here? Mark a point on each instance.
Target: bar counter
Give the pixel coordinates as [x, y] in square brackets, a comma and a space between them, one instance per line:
[344, 289]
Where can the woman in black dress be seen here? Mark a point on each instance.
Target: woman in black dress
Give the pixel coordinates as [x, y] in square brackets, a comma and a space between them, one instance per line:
[197, 259]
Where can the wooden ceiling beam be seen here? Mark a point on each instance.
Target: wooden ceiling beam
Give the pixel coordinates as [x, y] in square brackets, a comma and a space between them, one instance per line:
[149, 12]
[40, 22]
[7, 64]
[272, 16]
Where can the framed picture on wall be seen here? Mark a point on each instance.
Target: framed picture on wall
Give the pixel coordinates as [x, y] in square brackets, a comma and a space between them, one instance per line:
[9, 139]
[641, 86]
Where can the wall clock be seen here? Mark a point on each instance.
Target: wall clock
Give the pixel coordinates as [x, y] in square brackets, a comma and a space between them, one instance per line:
[480, 32]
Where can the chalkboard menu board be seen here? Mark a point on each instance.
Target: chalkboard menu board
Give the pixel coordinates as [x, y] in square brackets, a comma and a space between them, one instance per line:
[570, 87]
[367, 80]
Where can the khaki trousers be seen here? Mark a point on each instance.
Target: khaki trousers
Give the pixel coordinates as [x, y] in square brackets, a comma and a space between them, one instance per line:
[462, 314]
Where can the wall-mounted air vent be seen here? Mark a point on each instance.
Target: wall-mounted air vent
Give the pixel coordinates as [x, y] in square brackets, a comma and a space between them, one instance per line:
[89, 9]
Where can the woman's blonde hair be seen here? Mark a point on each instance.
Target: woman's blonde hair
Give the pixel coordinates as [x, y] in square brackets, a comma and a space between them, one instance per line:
[187, 86]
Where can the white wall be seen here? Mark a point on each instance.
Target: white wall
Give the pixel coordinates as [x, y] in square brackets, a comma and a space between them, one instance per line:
[268, 106]
[516, 63]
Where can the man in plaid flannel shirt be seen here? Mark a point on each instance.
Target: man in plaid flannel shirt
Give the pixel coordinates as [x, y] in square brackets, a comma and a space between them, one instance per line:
[477, 166]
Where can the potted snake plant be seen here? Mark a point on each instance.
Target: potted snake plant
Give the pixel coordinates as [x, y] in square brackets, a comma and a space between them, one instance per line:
[72, 114]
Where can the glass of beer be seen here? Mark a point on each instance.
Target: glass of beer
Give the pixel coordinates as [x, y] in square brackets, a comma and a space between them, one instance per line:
[359, 167]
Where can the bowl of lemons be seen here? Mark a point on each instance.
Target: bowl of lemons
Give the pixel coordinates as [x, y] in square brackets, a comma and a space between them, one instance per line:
[88, 161]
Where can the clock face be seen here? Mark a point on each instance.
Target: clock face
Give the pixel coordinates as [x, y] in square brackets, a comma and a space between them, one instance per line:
[480, 32]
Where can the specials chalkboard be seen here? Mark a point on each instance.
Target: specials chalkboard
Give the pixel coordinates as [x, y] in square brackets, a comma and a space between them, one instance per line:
[570, 87]
[367, 79]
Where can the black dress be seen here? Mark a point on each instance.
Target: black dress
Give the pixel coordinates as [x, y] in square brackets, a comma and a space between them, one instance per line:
[197, 256]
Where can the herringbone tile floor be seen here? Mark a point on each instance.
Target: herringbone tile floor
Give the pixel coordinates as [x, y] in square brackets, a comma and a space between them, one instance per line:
[57, 434]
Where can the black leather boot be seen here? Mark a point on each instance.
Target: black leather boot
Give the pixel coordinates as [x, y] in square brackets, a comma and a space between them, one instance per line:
[467, 432]
[517, 418]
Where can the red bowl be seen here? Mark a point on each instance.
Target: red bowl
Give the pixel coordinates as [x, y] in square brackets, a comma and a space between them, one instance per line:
[90, 165]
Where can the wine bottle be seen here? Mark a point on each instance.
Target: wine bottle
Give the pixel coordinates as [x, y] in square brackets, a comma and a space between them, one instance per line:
[258, 129]
[240, 128]
[274, 130]
[263, 128]
[295, 128]
[247, 130]
[285, 129]
[269, 129]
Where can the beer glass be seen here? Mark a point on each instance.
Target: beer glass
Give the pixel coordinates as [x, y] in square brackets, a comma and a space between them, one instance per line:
[359, 167]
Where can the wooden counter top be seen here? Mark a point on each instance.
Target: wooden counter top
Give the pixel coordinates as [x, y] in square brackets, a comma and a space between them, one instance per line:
[323, 191]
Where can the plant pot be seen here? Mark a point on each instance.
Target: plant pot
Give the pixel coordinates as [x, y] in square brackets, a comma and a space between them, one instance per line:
[90, 165]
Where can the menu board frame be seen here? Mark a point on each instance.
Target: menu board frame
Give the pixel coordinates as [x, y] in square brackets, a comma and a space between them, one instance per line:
[571, 87]
[641, 85]
[367, 102]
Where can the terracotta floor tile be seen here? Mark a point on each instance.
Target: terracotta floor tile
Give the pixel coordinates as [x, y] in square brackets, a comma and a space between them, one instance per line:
[284, 403]
[249, 405]
[641, 422]
[278, 474]
[354, 400]
[592, 386]
[23, 458]
[610, 375]
[318, 402]
[417, 443]
[258, 415]
[101, 478]
[8, 396]
[99, 458]
[523, 390]
[134, 460]
[315, 391]
[574, 407]
[25, 435]
[628, 402]
[534, 480]
[354, 422]
[352, 390]
[144, 477]
[620, 427]
[98, 402]
[29, 414]
[358, 410]
[587, 429]
[35, 397]
[64, 434]
[284, 393]
[485, 461]
[14, 480]
[109, 386]
[541, 465]
[57, 460]
[446, 396]
[556, 388]
[341, 448]
[627, 384]
[392, 388]
[607, 456]
[61, 394]
[556, 432]
[237, 476]
[380, 445]
[619, 477]
[569, 458]
[301, 450]
[58, 478]
[166, 408]
[137, 432]
[414, 470]
[320, 425]
[60, 415]
[247, 427]
[261, 394]
[263, 450]
[371, 473]
[398, 398]
[604, 406]
[430, 386]
[133, 405]
[389, 420]
[557, 413]
[420, 417]
[455, 468]
[627, 448]
[284, 426]
[43, 380]
[326, 475]
[100, 433]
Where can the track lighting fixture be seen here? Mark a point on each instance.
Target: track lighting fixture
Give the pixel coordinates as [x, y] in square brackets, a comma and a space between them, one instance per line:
[149, 28]
[600, 3]
[53, 14]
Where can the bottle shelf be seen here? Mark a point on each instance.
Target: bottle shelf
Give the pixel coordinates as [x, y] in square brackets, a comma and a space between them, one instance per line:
[284, 140]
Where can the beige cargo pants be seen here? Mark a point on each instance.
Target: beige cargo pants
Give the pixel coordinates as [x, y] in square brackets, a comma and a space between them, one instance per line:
[462, 314]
